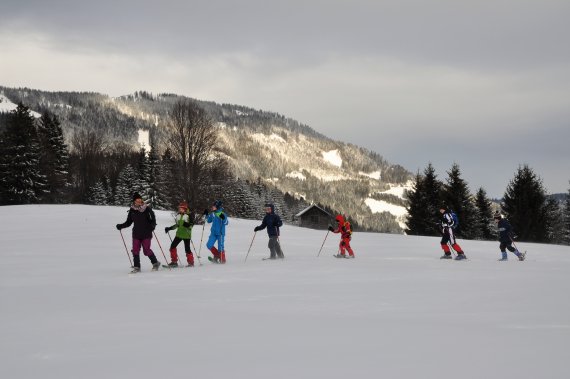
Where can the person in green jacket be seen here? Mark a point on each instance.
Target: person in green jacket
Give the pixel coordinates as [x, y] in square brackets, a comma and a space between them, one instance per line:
[183, 229]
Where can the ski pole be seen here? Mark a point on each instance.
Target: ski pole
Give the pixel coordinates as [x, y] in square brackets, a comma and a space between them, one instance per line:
[202, 237]
[451, 249]
[126, 250]
[197, 255]
[250, 245]
[162, 251]
[321, 249]
[177, 256]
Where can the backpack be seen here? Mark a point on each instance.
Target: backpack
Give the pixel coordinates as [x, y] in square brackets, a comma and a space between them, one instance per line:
[455, 220]
[347, 228]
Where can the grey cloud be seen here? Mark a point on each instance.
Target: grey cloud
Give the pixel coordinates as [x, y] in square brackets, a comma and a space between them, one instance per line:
[483, 83]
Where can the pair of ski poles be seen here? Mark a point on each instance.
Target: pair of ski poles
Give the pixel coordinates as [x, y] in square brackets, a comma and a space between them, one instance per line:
[127, 250]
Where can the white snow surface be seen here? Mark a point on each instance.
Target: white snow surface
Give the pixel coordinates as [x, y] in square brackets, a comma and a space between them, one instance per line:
[7, 106]
[333, 157]
[296, 175]
[69, 308]
[144, 140]
[398, 190]
[379, 206]
[372, 175]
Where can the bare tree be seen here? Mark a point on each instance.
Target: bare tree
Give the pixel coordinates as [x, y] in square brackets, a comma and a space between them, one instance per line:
[87, 150]
[192, 139]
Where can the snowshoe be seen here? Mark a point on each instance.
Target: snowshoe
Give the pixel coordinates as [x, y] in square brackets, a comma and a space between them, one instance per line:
[268, 259]
[155, 266]
[171, 265]
[460, 257]
[522, 256]
[190, 265]
[502, 259]
[214, 260]
[445, 256]
[135, 270]
[339, 256]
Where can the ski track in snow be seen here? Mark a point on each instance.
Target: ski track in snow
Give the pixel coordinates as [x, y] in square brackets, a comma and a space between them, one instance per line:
[70, 310]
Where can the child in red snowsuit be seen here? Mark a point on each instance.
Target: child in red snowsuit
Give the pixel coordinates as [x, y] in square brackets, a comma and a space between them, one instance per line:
[343, 227]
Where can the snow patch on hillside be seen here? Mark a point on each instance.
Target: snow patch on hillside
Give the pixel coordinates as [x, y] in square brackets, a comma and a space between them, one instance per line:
[333, 157]
[373, 175]
[144, 140]
[7, 106]
[379, 206]
[398, 190]
[267, 140]
[296, 175]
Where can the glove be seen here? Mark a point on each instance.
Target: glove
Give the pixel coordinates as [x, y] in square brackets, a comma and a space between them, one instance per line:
[119, 227]
[166, 230]
[331, 228]
[222, 216]
[206, 212]
[256, 229]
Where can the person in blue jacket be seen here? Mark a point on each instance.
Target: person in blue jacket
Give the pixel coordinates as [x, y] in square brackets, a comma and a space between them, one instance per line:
[219, 220]
[272, 222]
[506, 238]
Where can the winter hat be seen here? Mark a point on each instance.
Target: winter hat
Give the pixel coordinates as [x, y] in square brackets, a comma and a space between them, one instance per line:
[183, 205]
[270, 205]
[339, 219]
[136, 196]
[218, 204]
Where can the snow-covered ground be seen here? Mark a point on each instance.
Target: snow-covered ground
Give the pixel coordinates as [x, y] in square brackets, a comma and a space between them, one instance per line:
[70, 310]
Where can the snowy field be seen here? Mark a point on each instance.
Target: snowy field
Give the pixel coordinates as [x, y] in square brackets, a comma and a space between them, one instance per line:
[69, 308]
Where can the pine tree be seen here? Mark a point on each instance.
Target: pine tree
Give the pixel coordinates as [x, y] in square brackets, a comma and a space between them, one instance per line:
[457, 197]
[483, 223]
[555, 220]
[127, 185]
[98, 194]
[424, 201]
[524, 204]
[21, 181]
[54, 158]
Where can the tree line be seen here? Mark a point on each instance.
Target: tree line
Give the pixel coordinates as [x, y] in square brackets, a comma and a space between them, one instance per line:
[36, 166]
[535, 216]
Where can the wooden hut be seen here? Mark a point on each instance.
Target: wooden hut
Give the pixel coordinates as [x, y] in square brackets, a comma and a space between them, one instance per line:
[313, 217]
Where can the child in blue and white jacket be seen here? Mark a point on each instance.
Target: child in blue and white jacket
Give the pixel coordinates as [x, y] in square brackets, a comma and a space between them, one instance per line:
[219, 220]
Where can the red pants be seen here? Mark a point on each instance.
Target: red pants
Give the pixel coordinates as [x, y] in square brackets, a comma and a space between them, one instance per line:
[345, 246]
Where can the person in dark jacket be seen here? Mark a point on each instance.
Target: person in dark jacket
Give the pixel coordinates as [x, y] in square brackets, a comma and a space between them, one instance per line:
[142, 216]
[272, 222]
[506, 238]
[448, 236]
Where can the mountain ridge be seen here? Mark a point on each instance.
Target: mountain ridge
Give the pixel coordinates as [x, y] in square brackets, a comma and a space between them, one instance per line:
[281, 151]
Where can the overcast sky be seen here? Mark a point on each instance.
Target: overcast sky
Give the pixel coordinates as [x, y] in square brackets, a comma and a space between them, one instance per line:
[482, 83]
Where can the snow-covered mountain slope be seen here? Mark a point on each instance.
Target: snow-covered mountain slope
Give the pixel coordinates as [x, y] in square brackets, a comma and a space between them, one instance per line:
[70, 310]
[257, 144]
